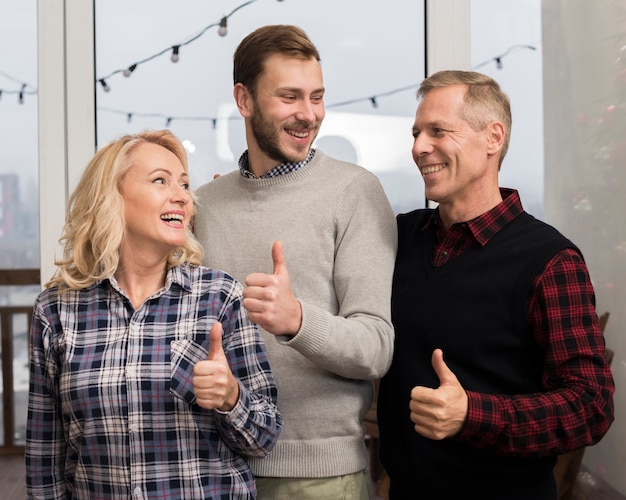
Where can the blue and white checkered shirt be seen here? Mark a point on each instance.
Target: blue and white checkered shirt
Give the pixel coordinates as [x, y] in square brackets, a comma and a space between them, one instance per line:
[283, 168]
[112, 411]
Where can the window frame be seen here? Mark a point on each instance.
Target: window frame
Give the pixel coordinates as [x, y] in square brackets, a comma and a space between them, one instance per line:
[66, 109]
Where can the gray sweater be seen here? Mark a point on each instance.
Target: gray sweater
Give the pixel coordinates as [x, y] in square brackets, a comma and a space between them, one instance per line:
[339, 240]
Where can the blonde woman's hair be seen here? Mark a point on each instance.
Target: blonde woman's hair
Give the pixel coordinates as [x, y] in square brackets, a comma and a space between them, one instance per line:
[95, 225]
[484, 100]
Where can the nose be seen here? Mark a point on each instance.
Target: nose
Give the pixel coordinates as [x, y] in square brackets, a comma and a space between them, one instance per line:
[181, 194]
[308, 111]
[421, 146]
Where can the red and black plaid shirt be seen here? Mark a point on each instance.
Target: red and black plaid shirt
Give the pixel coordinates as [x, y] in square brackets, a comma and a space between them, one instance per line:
[577, 380]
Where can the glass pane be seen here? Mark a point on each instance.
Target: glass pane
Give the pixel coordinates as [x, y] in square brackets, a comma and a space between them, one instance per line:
[506, 45]
[371, 70]
[19, 207]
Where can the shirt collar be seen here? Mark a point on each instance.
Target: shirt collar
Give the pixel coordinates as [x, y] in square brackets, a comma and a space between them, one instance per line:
[485, 226]
[176, 275]
[283, 168]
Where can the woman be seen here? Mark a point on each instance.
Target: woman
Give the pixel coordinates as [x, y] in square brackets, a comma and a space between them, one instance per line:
[134, 391]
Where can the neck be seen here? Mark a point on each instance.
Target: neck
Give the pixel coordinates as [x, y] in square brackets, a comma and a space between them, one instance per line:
[260, 164]
[461, 211]
[140, 280]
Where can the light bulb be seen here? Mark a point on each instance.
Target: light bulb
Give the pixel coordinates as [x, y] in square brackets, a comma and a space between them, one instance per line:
[104, 84]
[129, 70]
[222, 30]
[175, 56]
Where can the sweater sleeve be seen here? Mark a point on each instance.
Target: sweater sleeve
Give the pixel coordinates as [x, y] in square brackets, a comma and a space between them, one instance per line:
[357, 342]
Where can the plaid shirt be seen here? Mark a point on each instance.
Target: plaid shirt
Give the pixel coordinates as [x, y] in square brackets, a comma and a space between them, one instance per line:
[564, 321]
[112, 411]
[282, 169]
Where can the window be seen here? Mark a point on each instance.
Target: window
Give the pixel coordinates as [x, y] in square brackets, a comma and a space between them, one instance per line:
[19, 208]
[506, 45]
[372, 56]
[19, 226]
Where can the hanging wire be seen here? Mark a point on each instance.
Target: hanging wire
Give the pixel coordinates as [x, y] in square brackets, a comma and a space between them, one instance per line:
[498, 59]
[172, 48]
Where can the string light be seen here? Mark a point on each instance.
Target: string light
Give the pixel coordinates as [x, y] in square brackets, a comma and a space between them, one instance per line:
[175, 56]
[168, 119]
[213, 120]
[373, 99]
[130, 69]
[222, 30]
[498, 59]
[21, 92]
[104, 85]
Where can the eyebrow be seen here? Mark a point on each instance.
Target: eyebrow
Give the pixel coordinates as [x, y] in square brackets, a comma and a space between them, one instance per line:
[436, 124]
[298, 90]
[168, 172]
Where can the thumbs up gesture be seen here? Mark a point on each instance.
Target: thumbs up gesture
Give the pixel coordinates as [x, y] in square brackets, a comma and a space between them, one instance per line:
[269, 300]
[439, 413]
[214, 384]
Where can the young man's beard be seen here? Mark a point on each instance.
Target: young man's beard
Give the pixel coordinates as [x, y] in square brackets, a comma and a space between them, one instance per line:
[267, 137]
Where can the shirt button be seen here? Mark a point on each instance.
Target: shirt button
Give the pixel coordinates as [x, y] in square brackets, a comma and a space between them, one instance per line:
[444, 254]
[137, 491]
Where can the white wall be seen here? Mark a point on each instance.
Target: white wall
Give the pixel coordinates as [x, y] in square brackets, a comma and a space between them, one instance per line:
[585, 172]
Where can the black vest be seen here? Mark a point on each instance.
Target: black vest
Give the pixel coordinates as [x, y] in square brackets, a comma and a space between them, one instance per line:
[475, 308]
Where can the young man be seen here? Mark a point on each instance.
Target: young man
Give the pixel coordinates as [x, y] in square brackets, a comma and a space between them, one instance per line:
[314, 240]
[499, 361]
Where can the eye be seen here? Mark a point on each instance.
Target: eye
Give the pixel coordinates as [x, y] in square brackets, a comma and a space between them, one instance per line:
[159, 180]
[186, 186]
